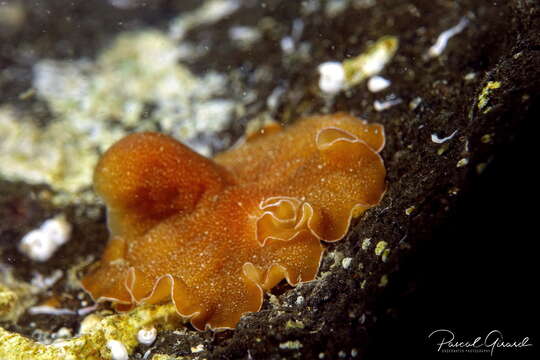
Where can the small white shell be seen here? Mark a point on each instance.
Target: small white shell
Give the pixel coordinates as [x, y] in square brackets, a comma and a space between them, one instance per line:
[332, 77]
[147, 336]
[118, 350]
[377, 83]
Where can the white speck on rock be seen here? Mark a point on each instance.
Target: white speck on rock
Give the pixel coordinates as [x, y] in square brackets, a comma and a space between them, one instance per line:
[123, 4]
[40, 244]
[118, 350]
[291, 345]
[362, 319]
[49, 310]
[470, 76]
[346, 262]
[332, 77]
[147, 336]
[437, 140]
[147, 354]
[197, 349]
[273, 100]
[439, 46]
[299, 300]
[244, 35]
[210, 12]
[45, 282]
[87, 310]
[366, 243]
[463, 162]
[64, 332]
[414, 103]
[410, 210]
[377, 83]
[386, 104]
[287, 44]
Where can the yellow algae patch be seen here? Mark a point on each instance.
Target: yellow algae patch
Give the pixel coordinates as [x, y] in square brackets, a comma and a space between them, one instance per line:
[168, 357]
[15, 296]
[483, 99]
[92, 345]
[379, 248]
[7, 300]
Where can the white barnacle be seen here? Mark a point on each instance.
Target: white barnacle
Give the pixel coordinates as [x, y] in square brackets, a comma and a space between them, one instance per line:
[147, 336]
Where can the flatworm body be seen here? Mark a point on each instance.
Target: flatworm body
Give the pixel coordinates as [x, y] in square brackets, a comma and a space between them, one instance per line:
[213, 235]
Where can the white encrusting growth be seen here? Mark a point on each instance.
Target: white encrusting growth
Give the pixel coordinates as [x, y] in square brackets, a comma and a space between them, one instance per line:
[437, 140]
[41, 243]
[332, 77]
[147, 336]
[377, 83]
[439, 46]
[118, 350]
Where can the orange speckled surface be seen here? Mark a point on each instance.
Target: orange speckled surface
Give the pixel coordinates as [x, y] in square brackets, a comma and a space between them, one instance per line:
[214, 235]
